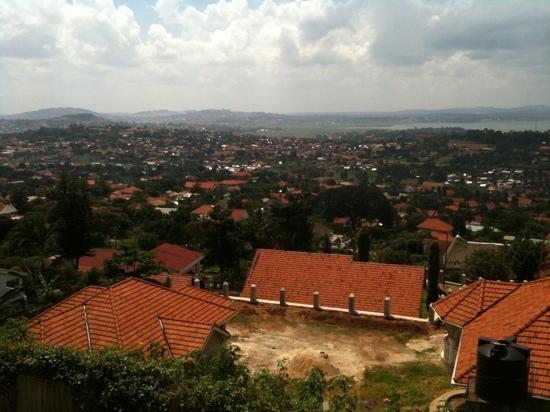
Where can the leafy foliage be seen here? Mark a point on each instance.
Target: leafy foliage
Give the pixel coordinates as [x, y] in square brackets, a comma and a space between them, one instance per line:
[357, 202]
[72, 214]
[363, 246]
[433, 274]
[131, 262]
[115, 380]
[489, 264]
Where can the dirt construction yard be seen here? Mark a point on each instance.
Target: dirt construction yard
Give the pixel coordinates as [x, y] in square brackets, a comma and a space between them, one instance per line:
[338, 343]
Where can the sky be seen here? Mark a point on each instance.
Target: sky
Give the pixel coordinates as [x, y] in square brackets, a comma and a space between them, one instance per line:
[273, 55]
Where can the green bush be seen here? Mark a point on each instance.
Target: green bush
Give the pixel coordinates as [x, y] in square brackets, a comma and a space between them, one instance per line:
[117, 380]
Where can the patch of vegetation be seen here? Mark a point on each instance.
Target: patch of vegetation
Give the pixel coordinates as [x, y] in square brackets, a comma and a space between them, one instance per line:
[408, 386]
[147, 380]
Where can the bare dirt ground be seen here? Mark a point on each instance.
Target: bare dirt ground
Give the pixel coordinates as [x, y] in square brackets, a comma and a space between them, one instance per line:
[336, 342]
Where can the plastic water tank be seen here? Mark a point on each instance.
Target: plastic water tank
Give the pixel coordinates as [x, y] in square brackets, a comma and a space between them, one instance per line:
[502, 371]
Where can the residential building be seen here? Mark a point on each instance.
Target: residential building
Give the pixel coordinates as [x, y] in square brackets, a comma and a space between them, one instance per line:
[177, 259]
[133, 314]
[334, 277]
[497, 310]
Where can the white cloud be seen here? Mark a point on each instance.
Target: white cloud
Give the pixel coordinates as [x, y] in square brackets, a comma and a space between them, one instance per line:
[278, 55]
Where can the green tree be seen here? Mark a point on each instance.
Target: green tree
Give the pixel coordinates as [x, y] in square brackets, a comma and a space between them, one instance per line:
[33, 236]
[325, 243]
[433, 274]
[292, 228]
[363, 246]
[489, 264]
[132, 262]
[356, 202]
[459, 224]
[526, 257]
[71, 214]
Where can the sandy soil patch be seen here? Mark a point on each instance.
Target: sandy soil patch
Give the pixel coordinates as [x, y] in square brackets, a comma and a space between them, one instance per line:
[267, 339]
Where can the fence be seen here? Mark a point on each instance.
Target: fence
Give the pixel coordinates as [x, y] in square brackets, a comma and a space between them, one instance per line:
[34, 394]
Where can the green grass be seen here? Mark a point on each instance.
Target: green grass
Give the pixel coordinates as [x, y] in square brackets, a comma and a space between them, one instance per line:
[423, 308]
[242, 319]
[409, 386]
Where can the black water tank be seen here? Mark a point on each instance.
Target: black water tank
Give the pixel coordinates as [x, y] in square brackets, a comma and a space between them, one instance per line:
[502, 371]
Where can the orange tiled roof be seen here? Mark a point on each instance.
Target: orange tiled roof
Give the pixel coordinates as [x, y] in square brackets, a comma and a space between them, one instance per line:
[183, 283]
[204, 210]
[178, 280]
[465, 304]
[239, 215]
[335, 277]
[96, 259]
[176, 258]
[204, 294]
[436, 225]
[208, 185]
[232, 182]
[442, 236]
[524, 201]
[524, 313]
[131, 313]
[157, 200]
[428, 186]
[342, 220]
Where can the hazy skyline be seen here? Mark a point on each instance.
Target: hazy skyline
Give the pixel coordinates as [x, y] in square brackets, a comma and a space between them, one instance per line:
[278, 56]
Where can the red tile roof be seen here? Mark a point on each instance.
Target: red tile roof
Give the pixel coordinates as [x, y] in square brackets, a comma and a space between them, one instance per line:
[429, 186]
[176, 258]
[157, 200]
[208, 185]
[464, 305]
[96, 259]
[204, 210]
[335, 277]
[204, 294]
[178, 280]
[232, 182]
[131, 313]
[342, 221]
[183, 283]
[523, 312]
[436, 225]
[442, 236]
[184, 336]
[239, 215]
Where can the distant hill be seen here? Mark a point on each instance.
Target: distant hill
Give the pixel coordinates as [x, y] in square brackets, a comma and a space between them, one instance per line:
[254, 121]
[17, 124]
[49, 113]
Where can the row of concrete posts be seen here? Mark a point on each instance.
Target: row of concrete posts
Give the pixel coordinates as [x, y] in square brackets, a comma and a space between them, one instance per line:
[316, 300]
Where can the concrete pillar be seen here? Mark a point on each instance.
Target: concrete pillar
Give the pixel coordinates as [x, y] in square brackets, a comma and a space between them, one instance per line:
[282, 297]
[225, 287]
[316, 301]
[197, 283]
[253, 294]
[169, 281]
[351, 304]
[387, 308]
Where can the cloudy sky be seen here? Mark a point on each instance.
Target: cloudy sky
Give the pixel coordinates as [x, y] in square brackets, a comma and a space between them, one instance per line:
[273, 55]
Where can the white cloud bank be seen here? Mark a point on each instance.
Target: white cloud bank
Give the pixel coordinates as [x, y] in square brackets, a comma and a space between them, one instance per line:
[293, 55]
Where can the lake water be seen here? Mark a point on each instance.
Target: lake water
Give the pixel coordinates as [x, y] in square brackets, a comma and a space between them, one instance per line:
[504, 126]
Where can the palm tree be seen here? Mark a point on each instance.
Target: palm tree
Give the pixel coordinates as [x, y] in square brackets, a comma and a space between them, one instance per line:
[34, 236]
